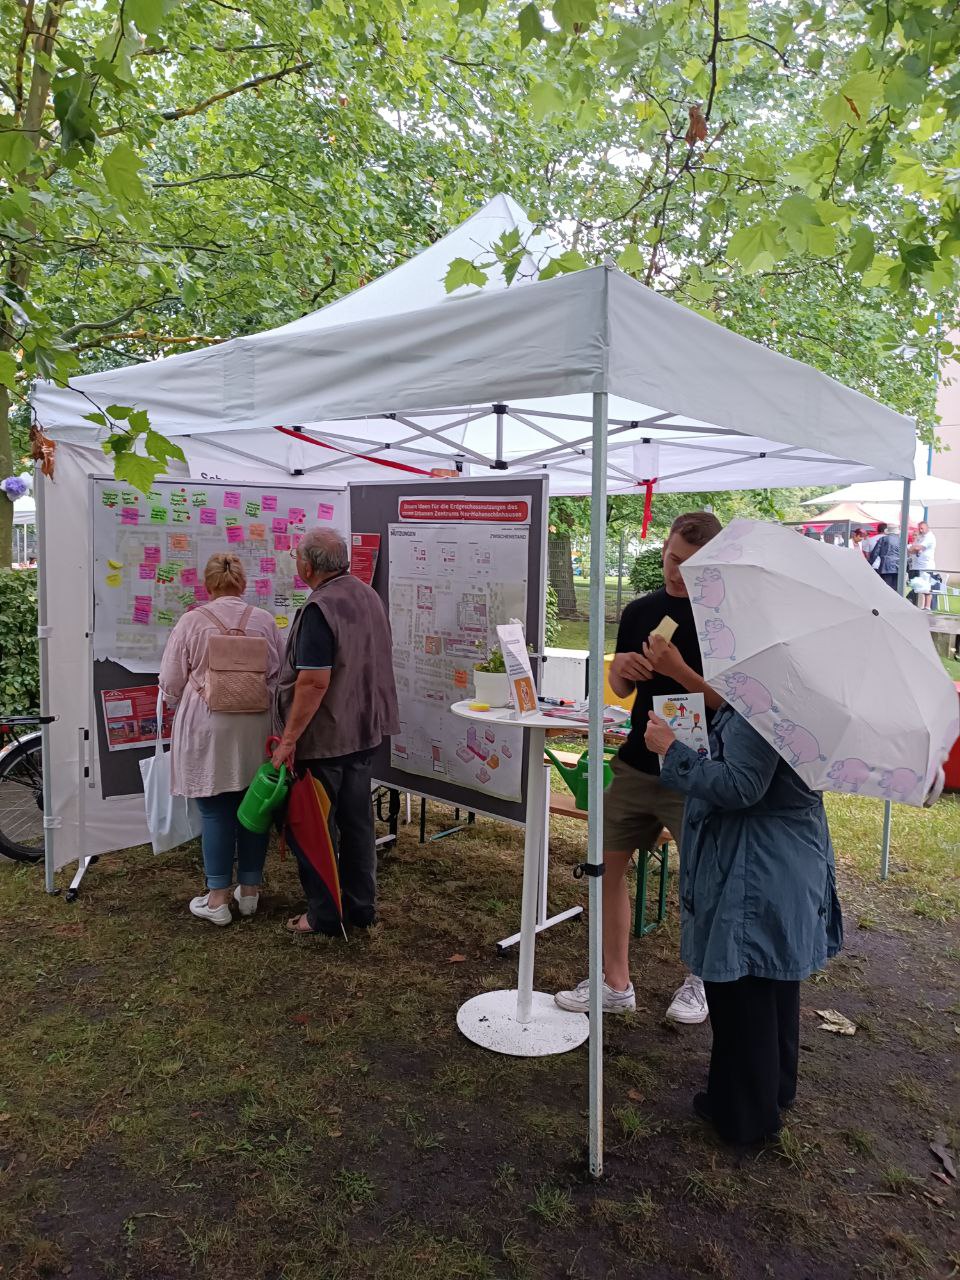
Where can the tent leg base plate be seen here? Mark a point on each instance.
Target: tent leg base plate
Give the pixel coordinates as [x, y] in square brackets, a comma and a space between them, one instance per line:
[490, 1020]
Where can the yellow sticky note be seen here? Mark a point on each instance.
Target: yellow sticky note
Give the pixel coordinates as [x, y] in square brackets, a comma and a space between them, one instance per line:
[114, 579]
[282, 620]
[115, 564]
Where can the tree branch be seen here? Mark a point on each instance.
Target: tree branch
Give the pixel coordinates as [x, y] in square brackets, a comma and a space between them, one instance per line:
[74, 329]
[757, 40]
[212, 177]
[25, 34]
[179, 113]
[141, 335]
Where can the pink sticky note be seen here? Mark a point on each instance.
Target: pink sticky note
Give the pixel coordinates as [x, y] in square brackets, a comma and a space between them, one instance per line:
[151, 555]
[235, 533]
[299, 584]
[262, 586]
[268, 564]
[279, 524]
[208, 515]
[188, 577]
[268, 502]
[231, 498]
[129, 515]
[143, 602]
[142, 617]
[324, 511]
[297, 515]
[297, 539]
[281, 542]
[201, 594]
[148, 571]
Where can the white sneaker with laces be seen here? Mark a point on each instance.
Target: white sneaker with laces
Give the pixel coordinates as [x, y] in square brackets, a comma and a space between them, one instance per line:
[578, 1000]
[246, 903]
[689, 1003]
[216, 915]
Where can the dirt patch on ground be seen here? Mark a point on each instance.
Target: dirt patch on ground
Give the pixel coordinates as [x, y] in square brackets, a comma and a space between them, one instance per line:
[182, 1100]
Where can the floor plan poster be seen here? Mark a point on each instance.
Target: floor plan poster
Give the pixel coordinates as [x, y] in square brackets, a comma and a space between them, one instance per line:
[150, 551]
[450, 586]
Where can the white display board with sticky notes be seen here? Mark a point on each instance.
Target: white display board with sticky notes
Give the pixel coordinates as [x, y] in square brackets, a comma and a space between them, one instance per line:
[150, 551]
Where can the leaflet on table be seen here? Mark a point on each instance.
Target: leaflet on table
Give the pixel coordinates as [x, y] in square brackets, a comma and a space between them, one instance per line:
[686, 714]
[579, 713]
[130, 717]
[513, 646]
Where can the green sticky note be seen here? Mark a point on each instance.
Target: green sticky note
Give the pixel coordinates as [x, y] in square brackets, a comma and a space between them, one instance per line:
[165, 572]
[180, 516]
[164, 617]
[110, 497]
[199, 498]
[252, 508]
[154, 496]
[299, 598]
[228, 520]
[159, 515]
[178, 499]
[129, 496]
[185, 598]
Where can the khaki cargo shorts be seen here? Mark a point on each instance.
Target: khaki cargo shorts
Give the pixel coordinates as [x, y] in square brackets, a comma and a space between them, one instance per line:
[636, 806]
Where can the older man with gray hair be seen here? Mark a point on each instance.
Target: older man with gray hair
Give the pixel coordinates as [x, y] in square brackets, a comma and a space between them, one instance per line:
[337, 701]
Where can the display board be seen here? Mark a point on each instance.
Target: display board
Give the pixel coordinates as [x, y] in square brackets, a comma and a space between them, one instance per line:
[457, 558]
[150, 551]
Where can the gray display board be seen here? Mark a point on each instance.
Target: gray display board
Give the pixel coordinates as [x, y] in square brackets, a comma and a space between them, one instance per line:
[374, 508]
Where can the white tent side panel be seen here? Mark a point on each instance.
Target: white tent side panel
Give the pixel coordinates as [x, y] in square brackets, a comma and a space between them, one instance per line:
[667, 355]
[108, 824]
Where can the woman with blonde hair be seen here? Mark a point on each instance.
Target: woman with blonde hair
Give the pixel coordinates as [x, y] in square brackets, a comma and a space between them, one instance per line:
[213, 754]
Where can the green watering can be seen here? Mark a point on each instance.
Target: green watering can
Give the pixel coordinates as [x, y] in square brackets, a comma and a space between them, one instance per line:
[575, 776]
[265, 794]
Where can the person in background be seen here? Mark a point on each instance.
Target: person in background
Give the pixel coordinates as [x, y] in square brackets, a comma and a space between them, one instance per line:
[637, 805]
[759, 913]
[213, 755]
[886, 555]
[336, 702]
[857, 540]
[871, 541]
[922, 548]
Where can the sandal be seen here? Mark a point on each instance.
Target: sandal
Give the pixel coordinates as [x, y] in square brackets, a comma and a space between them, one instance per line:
[299, 924]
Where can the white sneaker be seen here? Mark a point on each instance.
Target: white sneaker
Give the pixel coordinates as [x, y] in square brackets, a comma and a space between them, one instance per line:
[578, 1000]
[216, 915]
[246, 903]
[689, 1003]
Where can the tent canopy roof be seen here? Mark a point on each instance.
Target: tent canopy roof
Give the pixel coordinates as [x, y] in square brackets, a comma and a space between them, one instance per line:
[503, 378]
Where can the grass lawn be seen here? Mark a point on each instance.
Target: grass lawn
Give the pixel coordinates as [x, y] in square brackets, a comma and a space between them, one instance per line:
[178, 1100]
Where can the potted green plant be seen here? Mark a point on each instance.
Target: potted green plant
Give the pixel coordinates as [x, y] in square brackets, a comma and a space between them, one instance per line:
[490, 681]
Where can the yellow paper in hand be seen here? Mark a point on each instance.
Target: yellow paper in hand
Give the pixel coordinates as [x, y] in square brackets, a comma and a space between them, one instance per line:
[664, 629]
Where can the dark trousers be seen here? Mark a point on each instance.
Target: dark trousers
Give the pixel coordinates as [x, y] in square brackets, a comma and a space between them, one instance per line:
[890, 579]
[347, 782]
[753, 1064]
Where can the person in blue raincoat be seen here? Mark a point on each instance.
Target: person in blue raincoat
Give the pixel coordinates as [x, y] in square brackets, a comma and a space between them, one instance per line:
[758, 909]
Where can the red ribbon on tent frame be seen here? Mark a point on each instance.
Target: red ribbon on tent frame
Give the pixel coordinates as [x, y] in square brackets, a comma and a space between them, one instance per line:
[363, 457]
[647, 506]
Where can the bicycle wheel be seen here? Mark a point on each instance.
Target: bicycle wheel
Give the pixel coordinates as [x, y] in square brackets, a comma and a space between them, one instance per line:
[21, 801]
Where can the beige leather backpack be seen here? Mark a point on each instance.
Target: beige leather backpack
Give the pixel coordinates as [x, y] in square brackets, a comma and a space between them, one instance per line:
[236, 675]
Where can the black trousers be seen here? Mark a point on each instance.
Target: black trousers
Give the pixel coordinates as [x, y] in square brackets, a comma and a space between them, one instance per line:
[347, 782]
[753, 1064]
[890, 579]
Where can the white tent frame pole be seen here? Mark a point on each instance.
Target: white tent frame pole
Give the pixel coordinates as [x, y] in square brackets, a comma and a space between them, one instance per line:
[43, 633]
[901, 579]
[598, 565]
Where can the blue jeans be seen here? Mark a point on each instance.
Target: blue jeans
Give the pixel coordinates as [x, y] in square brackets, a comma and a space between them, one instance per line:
[223, 838]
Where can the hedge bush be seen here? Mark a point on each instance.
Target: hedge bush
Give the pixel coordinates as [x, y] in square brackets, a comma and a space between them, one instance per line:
[19, 658]
[646, 572]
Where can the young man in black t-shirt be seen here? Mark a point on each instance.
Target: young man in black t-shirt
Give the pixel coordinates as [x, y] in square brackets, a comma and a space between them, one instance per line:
[636, 805]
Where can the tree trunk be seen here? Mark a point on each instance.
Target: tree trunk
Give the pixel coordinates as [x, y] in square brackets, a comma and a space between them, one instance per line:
[560, 573]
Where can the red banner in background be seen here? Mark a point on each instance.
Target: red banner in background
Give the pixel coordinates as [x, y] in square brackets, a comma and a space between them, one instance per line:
[465, 510]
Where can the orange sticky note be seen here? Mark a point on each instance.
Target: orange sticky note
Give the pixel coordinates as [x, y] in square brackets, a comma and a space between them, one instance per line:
[460, 678]
[258, 532]
[179, 542]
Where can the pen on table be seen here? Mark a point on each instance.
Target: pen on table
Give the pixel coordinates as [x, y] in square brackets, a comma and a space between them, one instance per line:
[555, 702]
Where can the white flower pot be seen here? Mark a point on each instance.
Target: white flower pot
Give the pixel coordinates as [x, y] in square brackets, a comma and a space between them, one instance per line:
[492, 687]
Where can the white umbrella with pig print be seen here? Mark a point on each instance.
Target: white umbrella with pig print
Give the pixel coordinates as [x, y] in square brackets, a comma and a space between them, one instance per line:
[828, 663]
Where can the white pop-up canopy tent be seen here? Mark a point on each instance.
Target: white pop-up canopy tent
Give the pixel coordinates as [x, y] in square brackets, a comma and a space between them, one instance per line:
[591, 378]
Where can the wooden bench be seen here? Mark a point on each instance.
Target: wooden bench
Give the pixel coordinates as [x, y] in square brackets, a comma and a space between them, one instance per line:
[657, 859]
